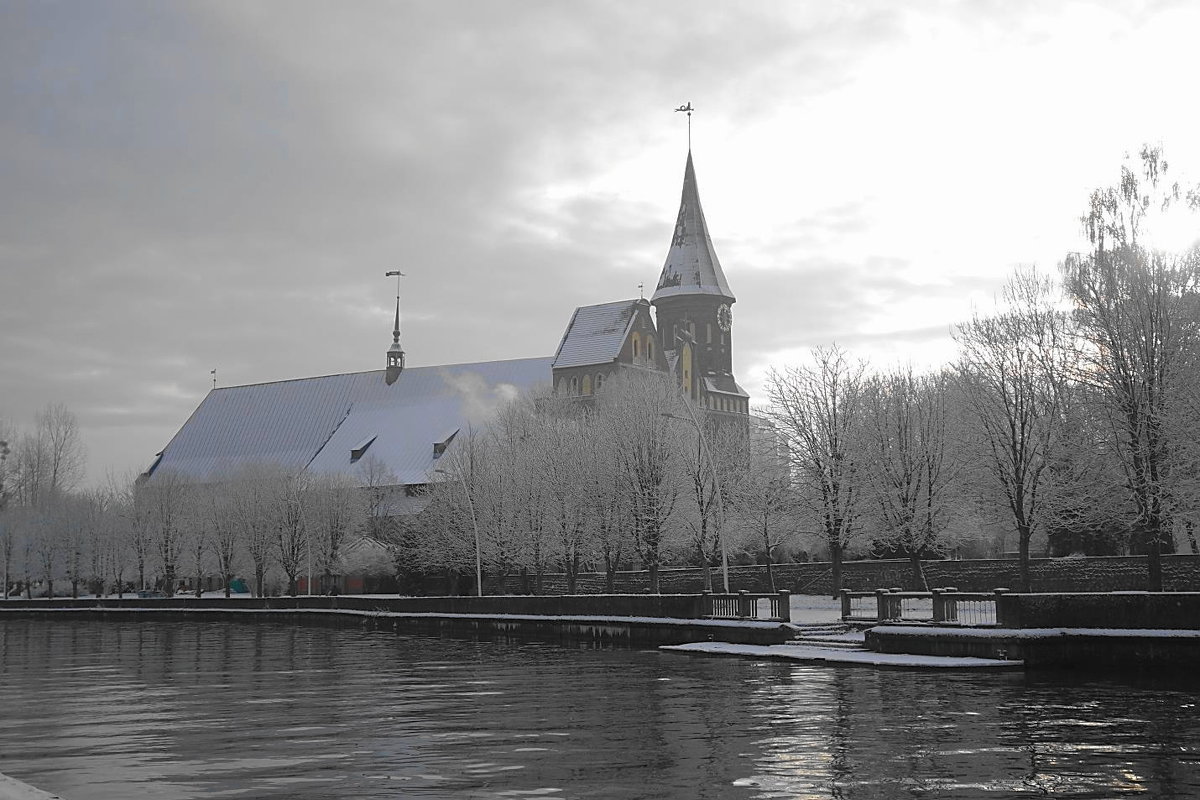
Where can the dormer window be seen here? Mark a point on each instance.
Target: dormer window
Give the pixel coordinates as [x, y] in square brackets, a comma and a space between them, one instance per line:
[358, 450]
[440, 447]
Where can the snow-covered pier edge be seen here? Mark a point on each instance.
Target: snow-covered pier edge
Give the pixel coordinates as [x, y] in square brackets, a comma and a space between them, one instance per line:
[13, 789]
[444, 616]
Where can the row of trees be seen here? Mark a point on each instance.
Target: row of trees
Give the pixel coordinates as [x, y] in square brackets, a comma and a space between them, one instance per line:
[626, 479]
[257, 521]
[1071, 411]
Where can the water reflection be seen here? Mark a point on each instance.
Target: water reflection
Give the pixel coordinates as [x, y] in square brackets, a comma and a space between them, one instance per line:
[175, 710]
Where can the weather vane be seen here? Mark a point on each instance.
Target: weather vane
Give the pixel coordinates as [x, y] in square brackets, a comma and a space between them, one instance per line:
[213, 372]
[688, 108]
[398, 275]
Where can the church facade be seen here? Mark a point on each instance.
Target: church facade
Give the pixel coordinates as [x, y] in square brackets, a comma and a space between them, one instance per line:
[404, 420]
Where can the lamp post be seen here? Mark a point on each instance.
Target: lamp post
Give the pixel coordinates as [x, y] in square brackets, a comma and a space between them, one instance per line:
[474, 525]
[716, 486]
[4, 451]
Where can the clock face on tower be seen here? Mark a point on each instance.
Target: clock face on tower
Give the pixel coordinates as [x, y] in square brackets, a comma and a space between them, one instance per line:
[724, 317]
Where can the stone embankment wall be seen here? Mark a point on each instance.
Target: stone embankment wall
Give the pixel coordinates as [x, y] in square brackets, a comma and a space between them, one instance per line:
[1181, 573]
[612, 620]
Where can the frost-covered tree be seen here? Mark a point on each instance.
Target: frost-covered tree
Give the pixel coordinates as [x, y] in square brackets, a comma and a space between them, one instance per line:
[336, 513]
[1011, 372]
[818, 409]
[1134, 304]
[763, 495]
[908, 469]
[169, 502]
[635, 411]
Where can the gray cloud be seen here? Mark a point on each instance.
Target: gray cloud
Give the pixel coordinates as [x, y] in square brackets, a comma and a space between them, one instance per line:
[195, 185]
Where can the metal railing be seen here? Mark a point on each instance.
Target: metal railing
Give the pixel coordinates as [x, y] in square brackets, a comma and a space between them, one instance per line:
[946, 606]
[771, 606]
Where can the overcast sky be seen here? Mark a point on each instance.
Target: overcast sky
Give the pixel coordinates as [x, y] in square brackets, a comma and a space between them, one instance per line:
[189, 186]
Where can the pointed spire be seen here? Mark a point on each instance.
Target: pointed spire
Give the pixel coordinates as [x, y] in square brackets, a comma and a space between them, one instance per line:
[692, 266]
[395, 353]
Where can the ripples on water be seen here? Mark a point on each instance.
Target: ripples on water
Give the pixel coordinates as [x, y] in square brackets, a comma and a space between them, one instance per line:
[103, 709]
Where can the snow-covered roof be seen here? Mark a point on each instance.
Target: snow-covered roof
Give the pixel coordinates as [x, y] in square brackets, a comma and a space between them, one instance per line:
[692, 266]
[331, 424]
[595, 333]
[723, 384]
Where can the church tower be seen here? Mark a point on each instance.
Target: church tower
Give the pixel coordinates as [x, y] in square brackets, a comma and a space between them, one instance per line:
[692, 305]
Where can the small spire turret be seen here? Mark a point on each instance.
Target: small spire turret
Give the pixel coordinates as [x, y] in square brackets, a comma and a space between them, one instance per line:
[395, 353]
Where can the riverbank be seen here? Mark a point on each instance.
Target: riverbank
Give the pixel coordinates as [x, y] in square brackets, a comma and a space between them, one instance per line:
[647, 619]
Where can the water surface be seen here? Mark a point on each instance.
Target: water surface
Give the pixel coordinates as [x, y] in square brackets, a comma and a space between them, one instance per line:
[113, 709]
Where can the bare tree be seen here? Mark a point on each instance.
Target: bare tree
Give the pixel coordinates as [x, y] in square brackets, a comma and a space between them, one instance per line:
[818, 410]
[168, 498]
[1132, 309]
[563, 461]
[763, 494]
[336, 511]
[251, 490]
[634, 413]
[908, 474]
[1011, 369]
[288, 518]
[51, 458]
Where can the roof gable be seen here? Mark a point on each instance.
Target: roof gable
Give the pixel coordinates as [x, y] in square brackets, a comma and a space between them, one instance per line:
[595, 334]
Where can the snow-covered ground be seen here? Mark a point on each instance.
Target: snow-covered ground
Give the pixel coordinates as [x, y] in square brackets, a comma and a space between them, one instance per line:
[793, 652]
[815, 608]
[13, 789]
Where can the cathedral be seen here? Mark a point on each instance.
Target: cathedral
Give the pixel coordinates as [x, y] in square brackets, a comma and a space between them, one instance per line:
[403, 420]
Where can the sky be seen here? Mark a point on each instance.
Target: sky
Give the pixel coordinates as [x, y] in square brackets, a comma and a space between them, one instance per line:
[191, 186]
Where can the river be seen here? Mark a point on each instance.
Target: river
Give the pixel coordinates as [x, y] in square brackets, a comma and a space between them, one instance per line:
[117, 709]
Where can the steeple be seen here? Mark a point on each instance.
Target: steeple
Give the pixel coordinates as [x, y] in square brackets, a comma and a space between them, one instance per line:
[692, 267]
[395, 353]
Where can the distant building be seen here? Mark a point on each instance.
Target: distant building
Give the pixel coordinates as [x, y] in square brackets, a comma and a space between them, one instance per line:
[404, 420]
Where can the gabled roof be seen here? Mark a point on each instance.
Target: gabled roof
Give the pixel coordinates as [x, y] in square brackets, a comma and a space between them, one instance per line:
[595, 333]
[692, 266]
[319, 424]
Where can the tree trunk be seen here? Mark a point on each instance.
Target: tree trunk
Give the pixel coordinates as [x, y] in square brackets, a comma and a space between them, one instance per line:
[1189, 528]
[707, 572]
[835, 555]
[1025, 533]
[770, 564]
[653, 570]
[918, 572]
[1154, 558]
